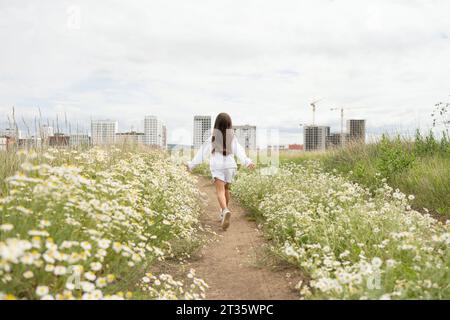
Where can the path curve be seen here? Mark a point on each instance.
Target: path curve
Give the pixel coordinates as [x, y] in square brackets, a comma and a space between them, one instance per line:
[228, 264]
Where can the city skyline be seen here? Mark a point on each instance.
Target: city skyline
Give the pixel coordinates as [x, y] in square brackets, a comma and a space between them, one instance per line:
[263, 70]
[106, 131]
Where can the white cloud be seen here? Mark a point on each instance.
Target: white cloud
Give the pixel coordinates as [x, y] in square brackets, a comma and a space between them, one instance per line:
[260, 61]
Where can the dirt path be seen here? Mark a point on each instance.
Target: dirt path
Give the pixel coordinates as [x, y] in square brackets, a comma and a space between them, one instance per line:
[231, 266]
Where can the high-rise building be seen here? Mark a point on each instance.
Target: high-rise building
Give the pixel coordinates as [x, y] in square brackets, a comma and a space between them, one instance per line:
[315, 137]
[356, 129]
[131, 137]
[103, 132]
[334, 140]
[79, 139]
[246, 136]
[202, 130]
[153, 131]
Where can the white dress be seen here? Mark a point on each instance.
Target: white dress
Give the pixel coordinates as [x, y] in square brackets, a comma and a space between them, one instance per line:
[222, 167]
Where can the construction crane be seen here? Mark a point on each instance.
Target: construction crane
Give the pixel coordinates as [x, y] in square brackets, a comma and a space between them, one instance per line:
[342, 121]
[313, 105]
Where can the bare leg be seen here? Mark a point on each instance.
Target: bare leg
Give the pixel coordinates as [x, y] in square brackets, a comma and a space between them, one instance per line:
[227, 193]
[220, 191]
[223, 195]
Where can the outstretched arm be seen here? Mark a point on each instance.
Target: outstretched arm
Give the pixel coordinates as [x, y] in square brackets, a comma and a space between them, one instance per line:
[239, 151]
[201, 155]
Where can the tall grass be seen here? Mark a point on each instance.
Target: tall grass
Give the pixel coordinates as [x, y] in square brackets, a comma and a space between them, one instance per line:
[350, 242]
[88, 225]
[419, 167]
[12, 159]
[9, 163]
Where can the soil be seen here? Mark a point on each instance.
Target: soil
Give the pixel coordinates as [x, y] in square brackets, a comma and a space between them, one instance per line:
[236, 265]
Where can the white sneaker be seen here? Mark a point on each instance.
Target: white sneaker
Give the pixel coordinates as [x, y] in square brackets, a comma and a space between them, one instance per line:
[226, 218]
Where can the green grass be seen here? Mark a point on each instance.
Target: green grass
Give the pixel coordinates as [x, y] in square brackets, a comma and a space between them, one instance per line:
[419, 167]
[202, 170]
[349, 241]
[88, 224]
[9, 163]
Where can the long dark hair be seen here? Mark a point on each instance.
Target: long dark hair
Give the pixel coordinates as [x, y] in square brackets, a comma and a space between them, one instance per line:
[222, 134]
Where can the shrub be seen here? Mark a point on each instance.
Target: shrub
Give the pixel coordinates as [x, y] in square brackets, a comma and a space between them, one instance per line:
[394, 157]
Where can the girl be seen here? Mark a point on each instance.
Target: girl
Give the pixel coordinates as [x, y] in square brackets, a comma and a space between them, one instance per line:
[222, 146]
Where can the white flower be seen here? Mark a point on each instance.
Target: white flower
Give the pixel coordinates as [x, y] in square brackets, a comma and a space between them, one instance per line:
[104, 243]
[49, 268]
[60, 270]
[290, 251]
[101, 282]
[117, 247]
[44, 224]
[97, 294]
[344, 277]
[86, 245]
[390, 263]
[87, 286]
[70, 286]
[90, 276]
[365, 268]
[27, 259]
[77, 269]
[377, 262]
[39, 233]
[41, 290]
[96, 266]
[13, 249]
[28, 274]
[87, 296]
[6, 227]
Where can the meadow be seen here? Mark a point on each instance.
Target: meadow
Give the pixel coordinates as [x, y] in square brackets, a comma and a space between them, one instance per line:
[350, 242]
[418, 166]
[361, 222]
[90, 224]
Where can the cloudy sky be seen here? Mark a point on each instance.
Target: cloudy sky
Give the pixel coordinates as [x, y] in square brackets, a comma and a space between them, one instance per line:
[388, 61]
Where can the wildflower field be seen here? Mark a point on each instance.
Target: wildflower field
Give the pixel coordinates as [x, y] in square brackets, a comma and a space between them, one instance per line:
[350, 242]
[93, 224]
[418, 166]
[90, 224]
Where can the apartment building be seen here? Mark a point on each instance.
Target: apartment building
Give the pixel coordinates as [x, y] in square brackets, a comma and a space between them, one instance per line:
[246, 136]
[315, 137]
[103, 132]
[202, 130]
